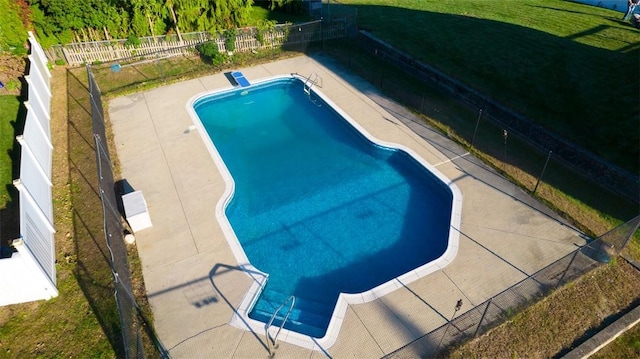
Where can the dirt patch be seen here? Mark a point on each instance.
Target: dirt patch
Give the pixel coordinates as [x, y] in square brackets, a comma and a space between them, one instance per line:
[12, 70]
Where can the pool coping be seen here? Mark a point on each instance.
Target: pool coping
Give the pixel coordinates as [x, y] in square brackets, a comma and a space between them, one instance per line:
[194, 283]
[240, 318]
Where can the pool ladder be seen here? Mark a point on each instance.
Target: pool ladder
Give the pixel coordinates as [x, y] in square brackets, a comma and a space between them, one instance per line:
[272, 341]
[311, 80]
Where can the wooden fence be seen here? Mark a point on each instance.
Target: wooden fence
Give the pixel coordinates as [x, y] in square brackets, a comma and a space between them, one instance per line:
[246, 39]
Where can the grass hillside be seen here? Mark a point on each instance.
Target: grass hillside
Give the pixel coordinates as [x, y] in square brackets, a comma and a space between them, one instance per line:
[570, 67]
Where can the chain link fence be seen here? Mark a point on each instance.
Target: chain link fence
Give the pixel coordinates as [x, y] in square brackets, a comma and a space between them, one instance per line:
[553, 170]
[92, 169]
[136, 73]
[103, 266]
[521, 146]
[131, 319]
[248, 39]
[502, 306]
[535, 167]
[538, 161]
[91, 254]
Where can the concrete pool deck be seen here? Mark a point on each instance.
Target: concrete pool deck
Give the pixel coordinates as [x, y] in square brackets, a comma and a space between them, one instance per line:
[194, 282]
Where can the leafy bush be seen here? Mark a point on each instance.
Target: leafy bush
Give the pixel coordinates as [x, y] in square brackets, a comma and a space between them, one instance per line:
[13, 34]
[12, 85]
[209, 52]
[264, 27]
[132, 41]
[230, 39]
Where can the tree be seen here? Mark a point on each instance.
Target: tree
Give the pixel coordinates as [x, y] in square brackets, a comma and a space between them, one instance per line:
[147, 17]
[211, 15]
[101, 15]
[169, 5]
[69, 20]
[83, 20]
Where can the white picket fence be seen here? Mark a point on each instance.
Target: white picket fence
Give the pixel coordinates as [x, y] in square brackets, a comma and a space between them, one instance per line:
[246, 39]
[76, 54]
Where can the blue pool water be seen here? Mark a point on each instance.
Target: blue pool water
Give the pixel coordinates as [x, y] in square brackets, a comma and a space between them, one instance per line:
[318, 206]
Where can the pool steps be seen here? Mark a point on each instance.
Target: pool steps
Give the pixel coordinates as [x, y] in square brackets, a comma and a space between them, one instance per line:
[240, 319]
[272, 341]
[307, 316]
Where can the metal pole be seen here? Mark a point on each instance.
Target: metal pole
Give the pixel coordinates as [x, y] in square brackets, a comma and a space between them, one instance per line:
[505, 134]
[476, 129]
[542, 173]
[161, 70]
[322, 31]
[575, 254]
[455, 310]
[630, 235]
[486, 309]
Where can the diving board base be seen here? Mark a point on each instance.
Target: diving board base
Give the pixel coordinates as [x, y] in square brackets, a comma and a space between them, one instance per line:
[239, 78]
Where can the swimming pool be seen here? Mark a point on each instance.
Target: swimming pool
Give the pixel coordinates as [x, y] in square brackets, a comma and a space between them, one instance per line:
[330, 214]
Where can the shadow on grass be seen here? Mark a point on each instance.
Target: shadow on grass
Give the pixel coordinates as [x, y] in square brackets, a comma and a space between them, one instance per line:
[586, 94]
[9, 224]
[461, 119]
[10, 214]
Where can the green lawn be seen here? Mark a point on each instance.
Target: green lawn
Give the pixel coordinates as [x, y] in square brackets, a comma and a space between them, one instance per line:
[625, 346]
[259, 14]
[9, 108]
[72, 324]
[570, 67]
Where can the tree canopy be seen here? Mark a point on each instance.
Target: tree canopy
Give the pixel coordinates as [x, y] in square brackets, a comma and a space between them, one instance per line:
[64, 21]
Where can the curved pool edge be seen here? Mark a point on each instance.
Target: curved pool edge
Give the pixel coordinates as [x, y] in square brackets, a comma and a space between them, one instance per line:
[240, 318]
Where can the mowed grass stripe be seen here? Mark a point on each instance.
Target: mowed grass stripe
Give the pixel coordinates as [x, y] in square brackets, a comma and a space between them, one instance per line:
[570, 67]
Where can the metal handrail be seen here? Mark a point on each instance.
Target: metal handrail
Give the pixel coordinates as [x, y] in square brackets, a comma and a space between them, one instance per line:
[271, 342]
[307, 89]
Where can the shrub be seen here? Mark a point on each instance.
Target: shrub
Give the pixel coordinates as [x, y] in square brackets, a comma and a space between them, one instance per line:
[132, 41]
[13, 35]
[230, 39]
[13, 85]
[209, 52]
[264, 27]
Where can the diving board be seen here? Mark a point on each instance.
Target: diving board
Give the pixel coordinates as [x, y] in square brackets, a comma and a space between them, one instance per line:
[240, 79]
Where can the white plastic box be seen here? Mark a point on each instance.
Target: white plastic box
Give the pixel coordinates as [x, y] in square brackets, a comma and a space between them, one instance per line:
[135, 209]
